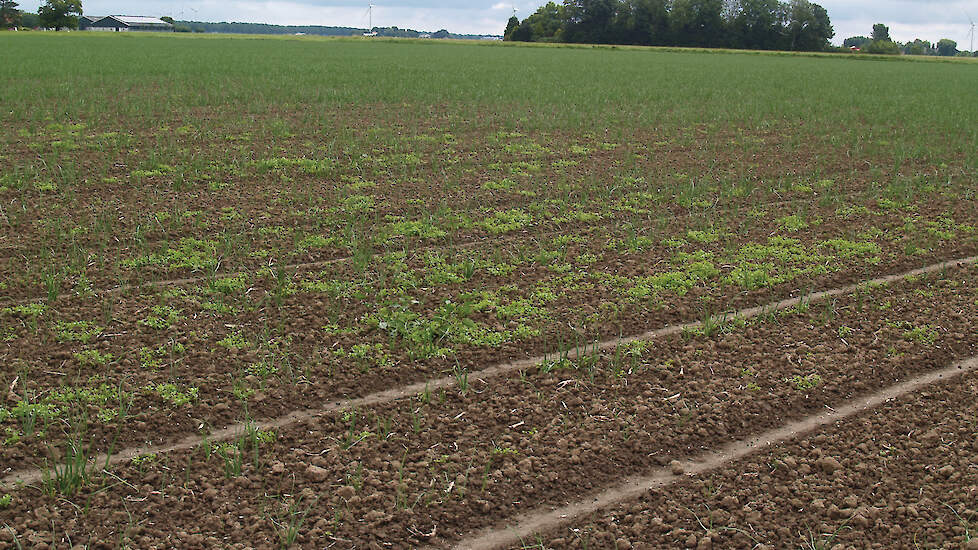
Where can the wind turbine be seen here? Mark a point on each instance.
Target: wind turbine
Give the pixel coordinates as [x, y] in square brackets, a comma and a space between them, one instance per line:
[370, 16]
[184, 9]
[971, 32]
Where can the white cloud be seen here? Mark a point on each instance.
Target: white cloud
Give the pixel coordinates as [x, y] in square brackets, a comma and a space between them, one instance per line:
[907, 19]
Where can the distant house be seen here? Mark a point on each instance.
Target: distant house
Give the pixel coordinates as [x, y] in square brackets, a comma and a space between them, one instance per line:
[123, 23]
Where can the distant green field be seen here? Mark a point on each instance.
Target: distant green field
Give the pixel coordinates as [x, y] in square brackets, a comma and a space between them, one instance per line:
[48, 76]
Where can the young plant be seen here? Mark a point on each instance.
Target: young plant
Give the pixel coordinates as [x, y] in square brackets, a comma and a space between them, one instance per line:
[290, 523]
[232, 457]
[70, 475]
[461, 378]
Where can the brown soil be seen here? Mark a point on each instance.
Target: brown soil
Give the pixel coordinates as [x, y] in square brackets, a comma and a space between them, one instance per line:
[416, 451]
[899, 475]
[465, 461]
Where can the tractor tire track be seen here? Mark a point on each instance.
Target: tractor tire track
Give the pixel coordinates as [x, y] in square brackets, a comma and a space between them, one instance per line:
[513, 531]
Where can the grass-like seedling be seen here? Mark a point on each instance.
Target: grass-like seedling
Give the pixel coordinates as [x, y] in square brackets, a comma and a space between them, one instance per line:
[824, 541]
[69, 474]
[291, 521]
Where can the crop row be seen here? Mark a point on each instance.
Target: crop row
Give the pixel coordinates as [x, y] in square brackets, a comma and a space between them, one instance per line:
[481, 450]
[283, 209]
[205, 355]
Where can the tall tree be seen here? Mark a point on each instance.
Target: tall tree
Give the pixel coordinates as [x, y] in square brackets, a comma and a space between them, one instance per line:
[60, 14]
[523, 33]
[947, 47]
[592, 21]
[809, 28]
[9, 14]
[698, 23]
[546, 23]
[511, 26]
[757, 24]
[29, 20]
[881, 32]
[649, 23]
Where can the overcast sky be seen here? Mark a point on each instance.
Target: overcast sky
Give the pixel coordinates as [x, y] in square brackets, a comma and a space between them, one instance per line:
[907, 19]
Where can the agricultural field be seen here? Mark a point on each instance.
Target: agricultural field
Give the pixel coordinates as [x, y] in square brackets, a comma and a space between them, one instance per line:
[273, 293]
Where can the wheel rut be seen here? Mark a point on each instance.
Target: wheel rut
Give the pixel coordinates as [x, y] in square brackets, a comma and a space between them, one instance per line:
[33, 475]
[515, 530]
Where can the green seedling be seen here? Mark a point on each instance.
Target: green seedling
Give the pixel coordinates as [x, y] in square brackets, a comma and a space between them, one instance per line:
[77, 331]
[804, 383]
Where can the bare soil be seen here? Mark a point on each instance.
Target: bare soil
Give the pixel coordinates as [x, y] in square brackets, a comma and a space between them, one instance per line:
[466, 460]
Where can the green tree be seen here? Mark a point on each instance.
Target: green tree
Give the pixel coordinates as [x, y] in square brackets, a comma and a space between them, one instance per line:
[60, 14]
[918, 47]
[648, 22]
[947, 47]
[880, 42]
[808, 28]
[546, 24]
[887, 47]
[592, 21]
[511, 25]
[857, 41]
[698, 23]
[523, 33]
[881, 33]
[757, 24]
[753, 24]
[9, 14]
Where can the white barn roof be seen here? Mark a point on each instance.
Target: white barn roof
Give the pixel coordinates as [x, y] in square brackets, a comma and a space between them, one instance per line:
[139, 20]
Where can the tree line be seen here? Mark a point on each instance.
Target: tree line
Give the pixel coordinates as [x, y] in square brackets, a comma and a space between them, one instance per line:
[265, 28]
[745, 24]
[881, 43]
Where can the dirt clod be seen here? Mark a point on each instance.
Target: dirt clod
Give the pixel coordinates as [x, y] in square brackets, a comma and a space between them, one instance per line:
[829, 464]
[316, 473]
[346, 492]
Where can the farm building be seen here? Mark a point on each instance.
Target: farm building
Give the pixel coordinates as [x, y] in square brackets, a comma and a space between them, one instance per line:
[119, 23]
[85, 21]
